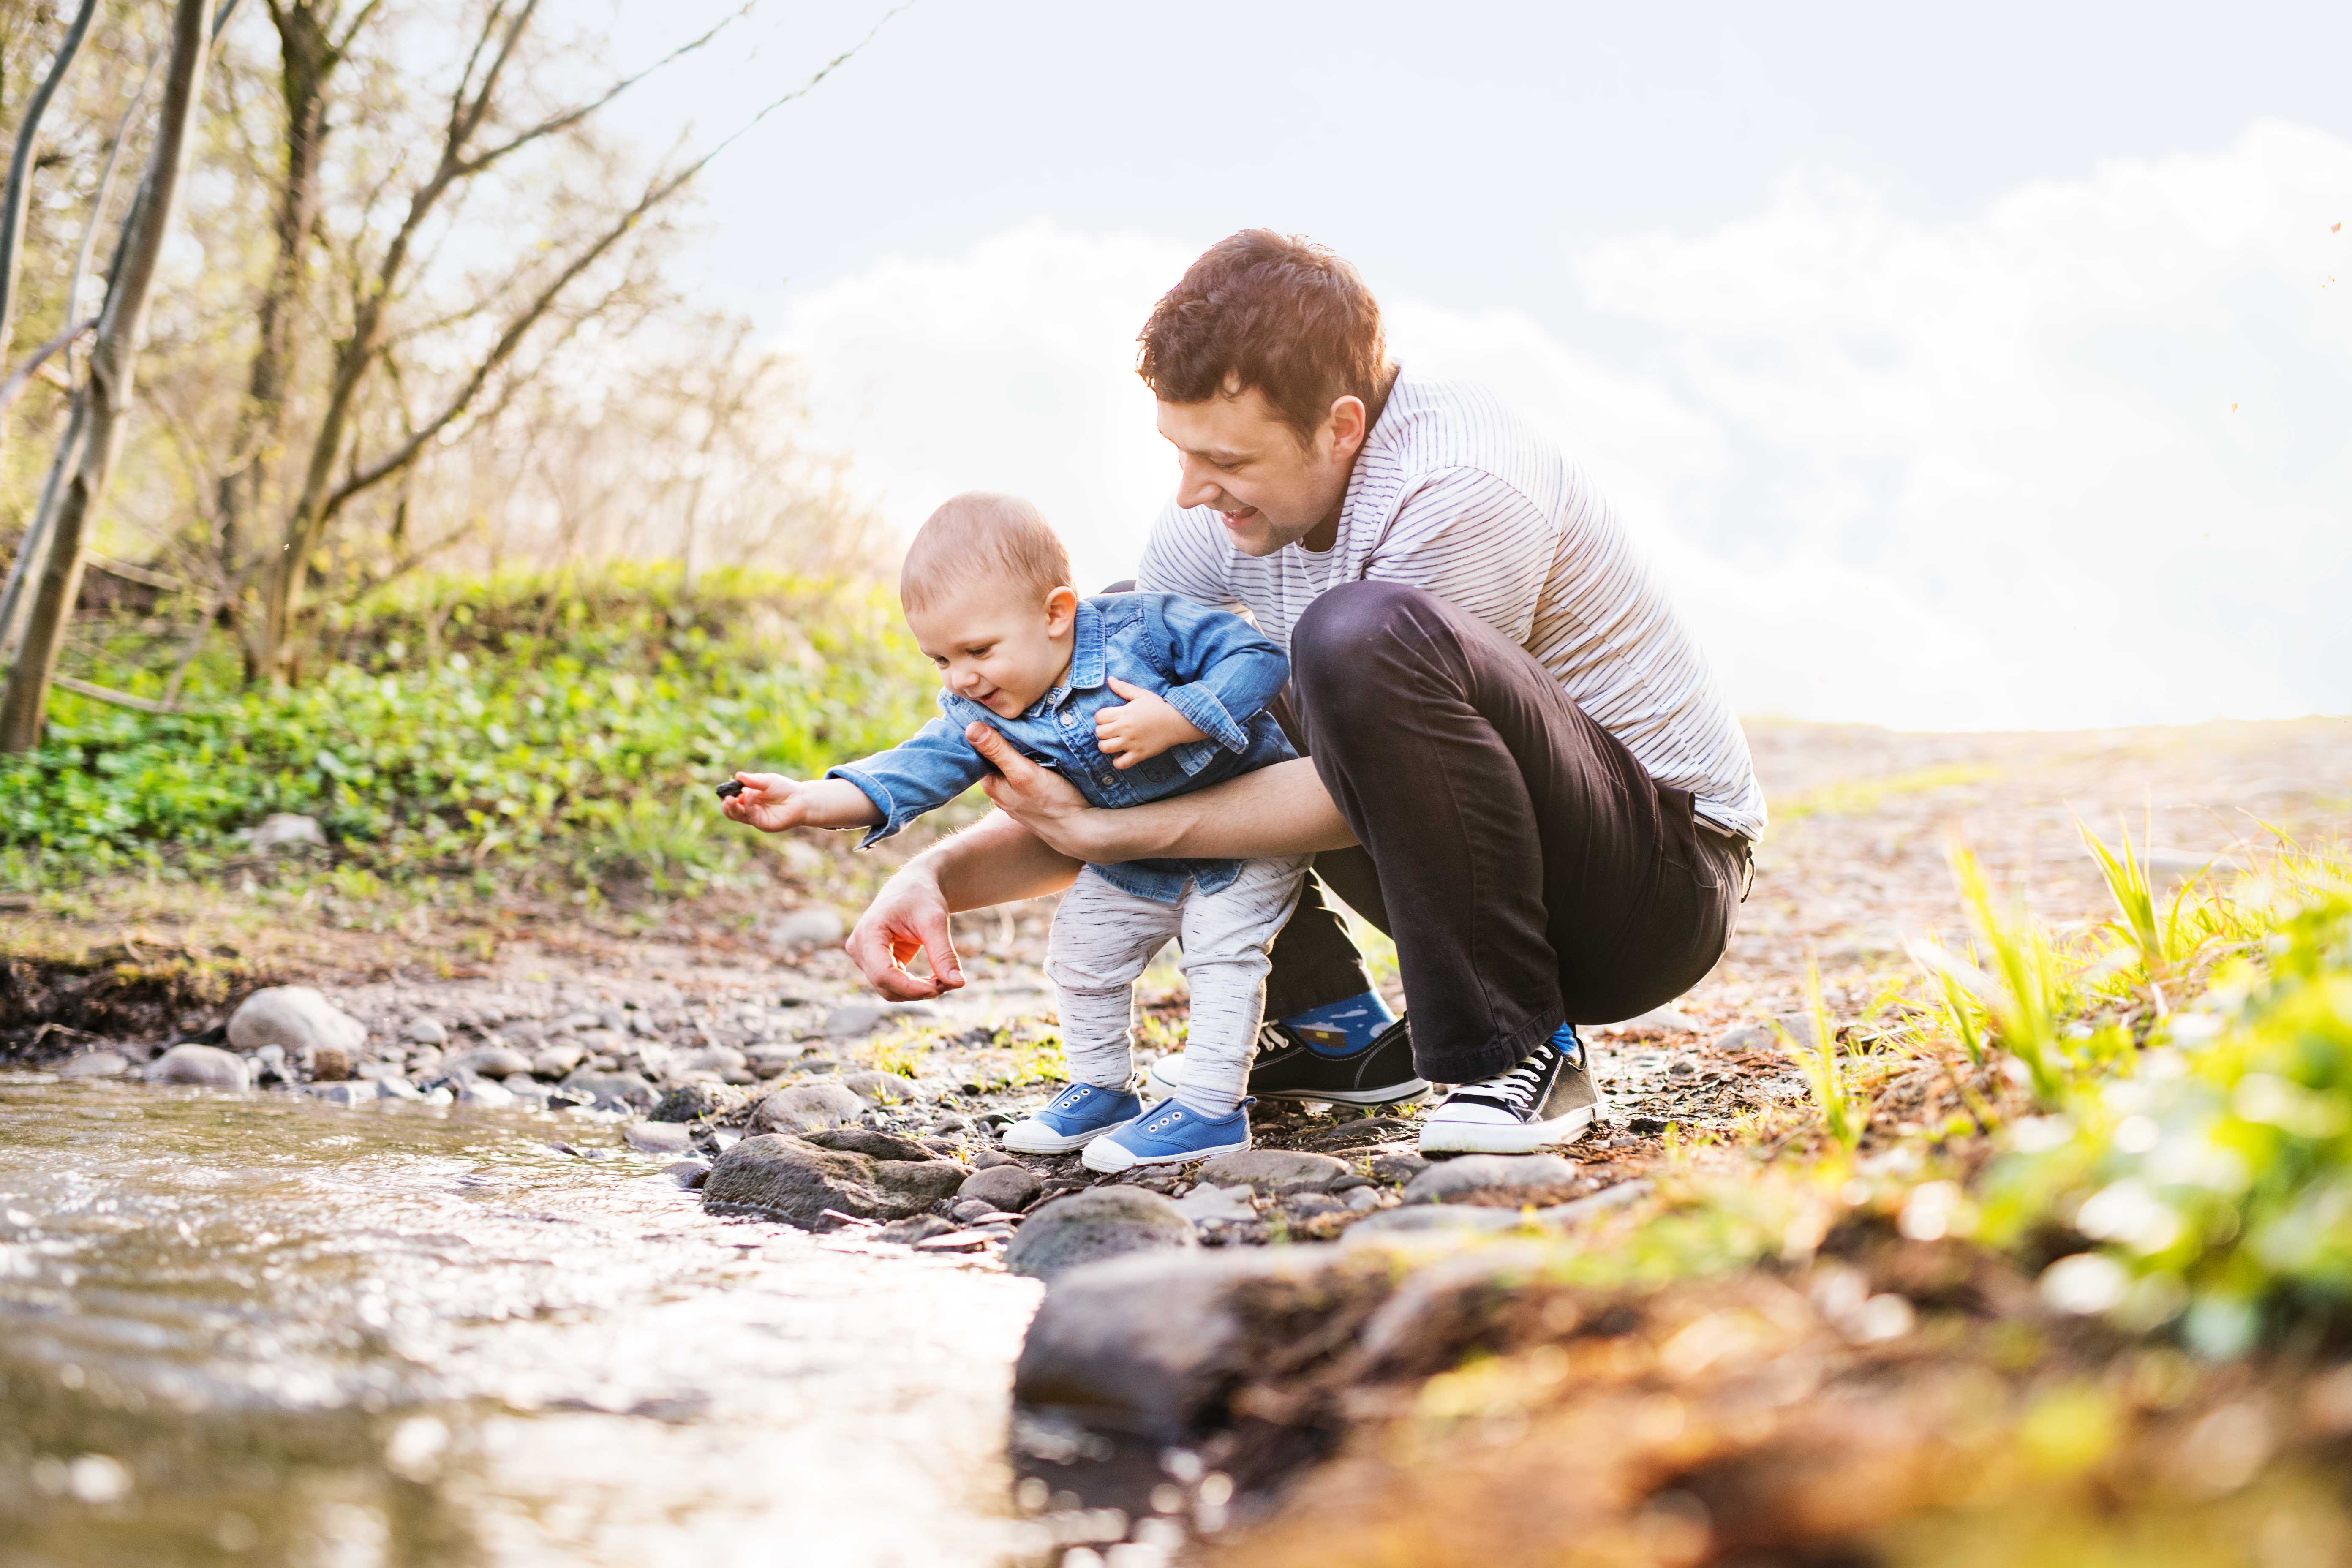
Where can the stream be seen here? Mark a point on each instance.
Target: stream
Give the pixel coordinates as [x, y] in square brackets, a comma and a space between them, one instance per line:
[256, 1329]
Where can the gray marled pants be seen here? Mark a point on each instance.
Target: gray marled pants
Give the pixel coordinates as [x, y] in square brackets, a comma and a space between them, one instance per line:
[1104, 936]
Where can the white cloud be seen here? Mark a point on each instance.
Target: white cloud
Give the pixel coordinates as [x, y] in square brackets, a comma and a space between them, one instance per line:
[1981, 474]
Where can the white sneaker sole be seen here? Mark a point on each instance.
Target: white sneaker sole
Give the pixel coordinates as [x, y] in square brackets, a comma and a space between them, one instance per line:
[1021, 1140]
[1112, 1158]
[1505, 1138]
[1156, 1082]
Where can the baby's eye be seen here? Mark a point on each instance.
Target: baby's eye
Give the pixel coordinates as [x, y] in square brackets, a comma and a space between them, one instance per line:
[982, 652]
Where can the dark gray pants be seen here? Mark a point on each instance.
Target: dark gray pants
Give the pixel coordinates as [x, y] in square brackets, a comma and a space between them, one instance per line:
[1529, 869]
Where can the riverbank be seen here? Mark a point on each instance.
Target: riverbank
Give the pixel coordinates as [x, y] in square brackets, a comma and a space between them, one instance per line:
[731, 984]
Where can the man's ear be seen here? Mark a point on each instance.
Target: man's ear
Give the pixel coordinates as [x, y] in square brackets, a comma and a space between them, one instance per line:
[1347, 426]
[1061, 611]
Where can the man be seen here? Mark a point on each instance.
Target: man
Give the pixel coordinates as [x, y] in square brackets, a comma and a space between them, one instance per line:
[1514, 761]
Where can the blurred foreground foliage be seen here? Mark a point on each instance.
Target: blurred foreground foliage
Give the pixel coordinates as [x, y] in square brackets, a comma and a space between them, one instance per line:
[455, 720]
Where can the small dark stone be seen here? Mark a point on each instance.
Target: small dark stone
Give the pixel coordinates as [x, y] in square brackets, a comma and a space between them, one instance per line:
[1011, 1187]
[692, 1101]
[1397, 1167]
[915, 1229]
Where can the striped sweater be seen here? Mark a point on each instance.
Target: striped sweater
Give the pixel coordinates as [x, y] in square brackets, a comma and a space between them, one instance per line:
[1455, 495]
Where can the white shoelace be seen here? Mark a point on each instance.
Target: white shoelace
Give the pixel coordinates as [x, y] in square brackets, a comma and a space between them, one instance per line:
[1514, 1091]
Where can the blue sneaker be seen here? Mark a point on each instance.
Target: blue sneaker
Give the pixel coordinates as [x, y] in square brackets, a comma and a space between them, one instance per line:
[1078, 1115]
[1170, 1135]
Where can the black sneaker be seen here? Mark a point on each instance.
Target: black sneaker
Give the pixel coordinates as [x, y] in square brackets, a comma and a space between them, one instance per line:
[1548, 1099]
[1285, 1068]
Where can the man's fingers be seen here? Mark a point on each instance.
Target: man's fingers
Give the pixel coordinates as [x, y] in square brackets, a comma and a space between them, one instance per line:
[985, 739]
[939, 941]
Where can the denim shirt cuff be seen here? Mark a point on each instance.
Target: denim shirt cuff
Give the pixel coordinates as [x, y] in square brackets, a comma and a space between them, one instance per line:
[893, 819]
[1200, 706]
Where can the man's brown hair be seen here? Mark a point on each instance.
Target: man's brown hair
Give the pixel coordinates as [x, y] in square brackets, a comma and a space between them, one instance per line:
[1269, 310]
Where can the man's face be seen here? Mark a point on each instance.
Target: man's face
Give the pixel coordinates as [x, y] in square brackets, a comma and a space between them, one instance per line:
[1235, 454]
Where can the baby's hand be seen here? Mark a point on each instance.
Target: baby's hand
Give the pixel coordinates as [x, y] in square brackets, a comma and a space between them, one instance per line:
[1141, 727]
[768, 802]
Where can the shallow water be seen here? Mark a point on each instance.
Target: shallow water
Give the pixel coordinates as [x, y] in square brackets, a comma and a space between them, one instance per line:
[254, 1330]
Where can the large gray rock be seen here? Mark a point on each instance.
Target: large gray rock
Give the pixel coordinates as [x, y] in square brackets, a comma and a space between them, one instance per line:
[806, 1107]
[869, 1141]
[1010, 1188]
[1274, 1170]
[1484, 1172]
[1150, 1343]
[613, 1091]
[204, 1067]
[788, 1179]
[879, 1087]
[298, 1019]
[1096, 1223]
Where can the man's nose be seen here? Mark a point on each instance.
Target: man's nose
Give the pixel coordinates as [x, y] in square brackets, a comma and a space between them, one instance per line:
[1195, 488]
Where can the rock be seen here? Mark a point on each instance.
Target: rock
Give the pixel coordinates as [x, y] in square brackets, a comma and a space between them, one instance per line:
[528, 1091]
[296, 1019]
[690, 1101]
[812, 927]
[1207, 1205]
[658, 1137]
[424, 1031]
[724, 1062]
[1008, 1187]
[1744, 1037]
[869, 1141]
[1150, 1344]
[330, 1064]
[206, 1067]
[1362, 1200]
[767, 1061]
[555, 1061]
[967, 1210]
[484, 1094]
[1274, 1170]
[396, 1088]
[1397, 1167]
[788, 1179]
[807, 1107]
[490, 1061]
[1359, 1132]
[920, 1227]
[1091, 1225]
[1800, 1031]
[612, 1091]
[351, 1092]
[1437, 1305]
[881, 1088]
[858, 1019]
[688, 1174]
[95, 1064]
[987, 1157]
[1480, 1173]
[284, 830]
[1424, 1217]
[1654, 1025]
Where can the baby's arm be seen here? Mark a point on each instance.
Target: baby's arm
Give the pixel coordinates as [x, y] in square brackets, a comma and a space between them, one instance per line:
[1226, 672]
[773, 803]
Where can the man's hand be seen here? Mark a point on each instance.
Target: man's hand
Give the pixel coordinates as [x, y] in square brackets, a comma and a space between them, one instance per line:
[908, 917]
[1141, 727]
[1045, 804]
[768, 802]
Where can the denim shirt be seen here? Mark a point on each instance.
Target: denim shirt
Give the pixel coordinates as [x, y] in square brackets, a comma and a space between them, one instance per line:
[1211, 666]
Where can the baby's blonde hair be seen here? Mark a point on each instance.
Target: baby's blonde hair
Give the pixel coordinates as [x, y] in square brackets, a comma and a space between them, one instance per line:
[979, 533]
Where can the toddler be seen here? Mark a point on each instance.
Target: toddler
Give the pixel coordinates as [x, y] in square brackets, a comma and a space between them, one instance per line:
[1131, 697]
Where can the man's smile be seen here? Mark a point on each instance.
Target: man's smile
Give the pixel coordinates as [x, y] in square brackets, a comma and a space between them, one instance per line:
[1240, 519]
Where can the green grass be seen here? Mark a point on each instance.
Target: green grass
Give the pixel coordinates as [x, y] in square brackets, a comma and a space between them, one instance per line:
[462, 721]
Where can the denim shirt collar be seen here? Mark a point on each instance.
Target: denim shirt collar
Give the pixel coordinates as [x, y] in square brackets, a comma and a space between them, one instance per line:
[1087, 672]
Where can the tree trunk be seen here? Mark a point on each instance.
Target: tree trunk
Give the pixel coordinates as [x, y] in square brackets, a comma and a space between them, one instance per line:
[111, 363]
[20, 173]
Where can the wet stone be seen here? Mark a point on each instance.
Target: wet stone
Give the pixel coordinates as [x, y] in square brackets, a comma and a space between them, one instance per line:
[488, 1061]
[1011, 1187]
[688, 1173]
[658, 1137]
[807, 1107]
[204, 1067]
[1483, 1173]
[95, 1064]
[788, 1179]
[296, 1017]
[1094, 1225]
[613, 1089]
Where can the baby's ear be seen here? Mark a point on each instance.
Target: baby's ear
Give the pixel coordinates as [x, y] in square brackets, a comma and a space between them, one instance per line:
[1061, 610]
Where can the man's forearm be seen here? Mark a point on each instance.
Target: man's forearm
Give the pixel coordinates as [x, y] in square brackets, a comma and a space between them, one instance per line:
[1280, 810]
[994, 862]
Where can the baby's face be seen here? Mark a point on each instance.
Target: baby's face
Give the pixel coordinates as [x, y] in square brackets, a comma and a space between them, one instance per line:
[997, 644]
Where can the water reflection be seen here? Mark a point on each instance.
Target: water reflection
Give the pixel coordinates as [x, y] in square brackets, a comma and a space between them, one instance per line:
[258, 1330]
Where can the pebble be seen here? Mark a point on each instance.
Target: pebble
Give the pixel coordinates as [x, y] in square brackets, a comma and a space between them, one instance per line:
[1800, 1027]
[724, 1062]
[812, 927]
[490, 1061]
[807, 1107]
[351, 1092]
[1397, 1167]
[1480, 1173]
[1655, 1023]
[658, 1137]
[989, 1157]
[1207, 1203]
[1746, 1037]
[690, 1101]
[1097, 1224]
[206, 1067]
[612, 1091]
[284, 830]
[1011, 1187]
[881, 1088]
[859, 1019]
[483, 1094]
[967, 1210]
[688, 1173]
[915, 1229]
[95, 1064]
[329, 1063]
[555, 1061]
[1275, 1171]
[296, 1017]
[788, 1179]
[424, 1031]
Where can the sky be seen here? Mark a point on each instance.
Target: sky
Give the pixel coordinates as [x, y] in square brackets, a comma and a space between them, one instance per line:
[1967, 370]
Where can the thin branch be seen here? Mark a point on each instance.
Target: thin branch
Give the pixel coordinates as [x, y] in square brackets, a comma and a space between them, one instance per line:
[20, 167]
[108, 695]
[19, 378]
[141, 575]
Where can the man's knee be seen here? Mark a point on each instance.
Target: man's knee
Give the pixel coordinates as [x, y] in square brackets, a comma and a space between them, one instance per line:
[1352, 633]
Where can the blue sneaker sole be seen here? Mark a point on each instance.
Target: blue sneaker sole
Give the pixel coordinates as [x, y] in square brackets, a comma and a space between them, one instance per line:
[1022, 1141]
[1182, 1157]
